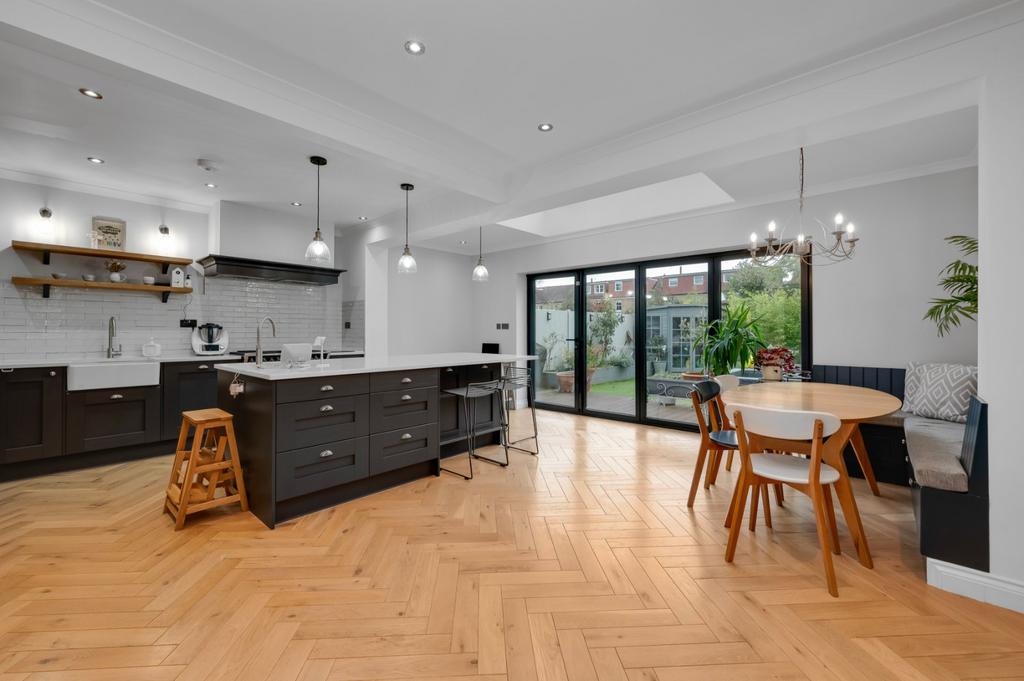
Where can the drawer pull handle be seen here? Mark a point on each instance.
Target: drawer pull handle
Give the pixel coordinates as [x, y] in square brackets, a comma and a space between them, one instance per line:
[204, 366]
[326, 388]
[406, 380]
[406, 398]
[7, 370]
[450, 370]
[326, 453]
[406, 436]
[53, 373]
[485, 367]
[117, 396]
[326, 408]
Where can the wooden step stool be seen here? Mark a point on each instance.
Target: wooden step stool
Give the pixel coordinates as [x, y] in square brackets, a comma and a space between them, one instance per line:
[201, 470]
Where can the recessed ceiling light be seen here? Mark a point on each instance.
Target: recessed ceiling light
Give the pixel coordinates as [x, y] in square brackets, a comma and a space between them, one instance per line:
[545, 127]
[415, 47]
[363, 218]
[210, 185]
[463, 242]
[97, 161]
[90, 93]
[296, 203]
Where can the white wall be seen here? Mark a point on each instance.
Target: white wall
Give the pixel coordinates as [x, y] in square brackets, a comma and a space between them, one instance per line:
[432, 310]
[867, 312]
[350, 255]
[251, 232]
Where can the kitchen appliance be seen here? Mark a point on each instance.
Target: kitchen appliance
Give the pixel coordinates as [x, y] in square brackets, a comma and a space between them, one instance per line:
[275, 355]
[209, 339]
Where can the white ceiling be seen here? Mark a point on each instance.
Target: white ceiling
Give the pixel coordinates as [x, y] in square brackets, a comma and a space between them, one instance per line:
[597, 69]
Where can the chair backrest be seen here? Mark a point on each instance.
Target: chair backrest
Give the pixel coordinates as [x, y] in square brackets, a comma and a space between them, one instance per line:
[727, 382]
[784, 424]
[706, 390]
[706, 393]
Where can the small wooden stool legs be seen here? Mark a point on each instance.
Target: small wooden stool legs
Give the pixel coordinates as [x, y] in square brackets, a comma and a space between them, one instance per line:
[205, 467]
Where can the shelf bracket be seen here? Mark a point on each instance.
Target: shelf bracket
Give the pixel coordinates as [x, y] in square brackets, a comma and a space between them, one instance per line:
[46, 257]
[164, 296]
[46, 290]
[163, 269]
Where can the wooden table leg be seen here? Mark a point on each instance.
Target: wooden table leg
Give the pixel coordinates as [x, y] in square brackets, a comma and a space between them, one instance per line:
[861, 451]
[832, 453]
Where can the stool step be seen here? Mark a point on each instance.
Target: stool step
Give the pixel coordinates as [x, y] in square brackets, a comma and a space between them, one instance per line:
[206, 416]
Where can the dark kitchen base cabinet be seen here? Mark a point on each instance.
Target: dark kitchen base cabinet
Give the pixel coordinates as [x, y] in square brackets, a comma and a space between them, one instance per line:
[311, 443]
[186, 386]
[114, 417]
[31, 414]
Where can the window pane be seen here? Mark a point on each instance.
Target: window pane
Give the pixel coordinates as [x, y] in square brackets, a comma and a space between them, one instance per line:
[611, 348]
[772, 294]
[554, 315]
[677, 310]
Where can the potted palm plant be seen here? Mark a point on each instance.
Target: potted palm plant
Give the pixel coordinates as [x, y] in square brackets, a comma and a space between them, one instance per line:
[732, 341]
[960, 281]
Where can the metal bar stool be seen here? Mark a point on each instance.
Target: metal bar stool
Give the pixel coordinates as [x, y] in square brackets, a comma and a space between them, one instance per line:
[516, 378]
[469, 395]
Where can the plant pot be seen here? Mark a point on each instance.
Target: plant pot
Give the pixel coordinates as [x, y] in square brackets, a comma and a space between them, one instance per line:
[565, 381]
[659, 367]
[772, 373]
[693, 376]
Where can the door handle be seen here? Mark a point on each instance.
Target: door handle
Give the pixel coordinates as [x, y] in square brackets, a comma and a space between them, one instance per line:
[449, 370]
[406, 380]
[406, 436]
[326, 453]
[117, 396]
[406, 398]
[326, 408]
[326, 388]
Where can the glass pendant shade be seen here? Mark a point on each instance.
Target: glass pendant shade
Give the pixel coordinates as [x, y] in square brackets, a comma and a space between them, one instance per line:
[318, 253]
[407, 263]
[480, 272]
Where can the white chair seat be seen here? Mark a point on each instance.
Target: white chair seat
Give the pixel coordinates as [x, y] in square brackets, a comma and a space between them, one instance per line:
[786, 468]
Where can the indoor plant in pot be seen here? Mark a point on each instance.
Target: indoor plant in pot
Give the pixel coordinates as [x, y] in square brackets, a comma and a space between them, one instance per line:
[774, 361]
[732, 341]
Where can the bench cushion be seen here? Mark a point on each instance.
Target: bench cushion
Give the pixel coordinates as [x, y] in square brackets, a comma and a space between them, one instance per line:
[934, 448]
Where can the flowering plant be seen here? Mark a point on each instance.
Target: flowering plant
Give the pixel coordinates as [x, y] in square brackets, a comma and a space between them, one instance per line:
[776, 356]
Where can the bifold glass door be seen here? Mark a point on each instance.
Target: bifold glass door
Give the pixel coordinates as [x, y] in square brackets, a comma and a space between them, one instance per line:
[610, 337]
[553, 310]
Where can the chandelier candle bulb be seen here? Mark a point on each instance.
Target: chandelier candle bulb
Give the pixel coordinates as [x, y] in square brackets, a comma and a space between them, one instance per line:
[839, 219]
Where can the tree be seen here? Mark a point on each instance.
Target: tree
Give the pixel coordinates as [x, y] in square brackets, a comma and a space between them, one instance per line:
[747, 278]
[601, 333]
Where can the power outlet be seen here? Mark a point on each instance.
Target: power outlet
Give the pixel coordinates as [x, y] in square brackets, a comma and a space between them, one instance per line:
[187, 323]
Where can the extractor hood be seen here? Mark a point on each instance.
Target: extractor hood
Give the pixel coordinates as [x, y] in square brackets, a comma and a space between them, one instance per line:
[247, 268]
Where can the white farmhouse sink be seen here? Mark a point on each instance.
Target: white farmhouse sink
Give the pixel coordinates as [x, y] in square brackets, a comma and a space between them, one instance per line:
[101, 375]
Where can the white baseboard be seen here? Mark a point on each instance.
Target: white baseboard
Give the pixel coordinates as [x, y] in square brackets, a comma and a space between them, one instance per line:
[981, 586]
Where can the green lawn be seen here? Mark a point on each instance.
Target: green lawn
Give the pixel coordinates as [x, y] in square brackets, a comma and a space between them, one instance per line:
[622, 388]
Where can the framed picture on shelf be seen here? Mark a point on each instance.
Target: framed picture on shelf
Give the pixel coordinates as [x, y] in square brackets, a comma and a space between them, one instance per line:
[108, 233]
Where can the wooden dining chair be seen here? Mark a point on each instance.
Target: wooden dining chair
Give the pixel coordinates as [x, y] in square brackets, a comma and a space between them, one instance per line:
[759, 430]
[716, 433]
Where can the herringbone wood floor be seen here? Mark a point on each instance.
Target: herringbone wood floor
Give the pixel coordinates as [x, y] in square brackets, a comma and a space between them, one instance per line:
[581, 565]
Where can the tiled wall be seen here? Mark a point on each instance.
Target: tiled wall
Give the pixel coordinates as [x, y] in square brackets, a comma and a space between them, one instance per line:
[74, 322]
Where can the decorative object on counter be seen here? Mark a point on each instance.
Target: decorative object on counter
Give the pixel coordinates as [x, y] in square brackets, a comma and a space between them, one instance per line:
[59, 275]
[960, 281]
[151, 348]
[178, 277]
[149, 281]
[116, 267]
[842, 246]
[88, 277]
[210, 464]
[407, 263]
[109, 233]
[480, 272]
[774, 361]
[296, 355]
[318, 253]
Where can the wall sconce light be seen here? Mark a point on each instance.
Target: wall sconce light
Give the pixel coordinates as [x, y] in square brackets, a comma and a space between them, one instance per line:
[164, 229]
[45, 213]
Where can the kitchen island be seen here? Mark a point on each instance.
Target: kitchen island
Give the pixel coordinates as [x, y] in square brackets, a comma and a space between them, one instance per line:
[310, 438]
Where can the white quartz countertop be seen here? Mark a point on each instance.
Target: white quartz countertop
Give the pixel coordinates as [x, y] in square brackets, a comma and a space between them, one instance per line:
[33, 362]
[276, 371]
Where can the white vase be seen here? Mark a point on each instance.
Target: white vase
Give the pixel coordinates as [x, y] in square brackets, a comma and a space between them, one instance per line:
[772, 373]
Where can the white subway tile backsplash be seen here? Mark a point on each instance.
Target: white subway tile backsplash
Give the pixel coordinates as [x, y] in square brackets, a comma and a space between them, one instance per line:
[74, 322]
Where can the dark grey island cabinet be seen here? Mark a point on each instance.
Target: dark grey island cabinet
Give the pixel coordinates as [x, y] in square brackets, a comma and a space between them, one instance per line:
[310, 440]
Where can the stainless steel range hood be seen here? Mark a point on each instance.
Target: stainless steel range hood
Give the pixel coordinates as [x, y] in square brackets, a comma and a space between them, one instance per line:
[247, 268]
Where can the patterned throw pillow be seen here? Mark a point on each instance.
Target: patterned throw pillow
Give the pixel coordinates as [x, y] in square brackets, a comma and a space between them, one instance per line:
[940, 391]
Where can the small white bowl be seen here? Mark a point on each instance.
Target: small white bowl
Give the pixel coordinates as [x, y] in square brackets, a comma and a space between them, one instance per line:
[59, 275]
[88, 277]
[149, 281]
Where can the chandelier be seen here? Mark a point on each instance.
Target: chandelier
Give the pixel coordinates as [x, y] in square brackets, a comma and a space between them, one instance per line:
[838, 248]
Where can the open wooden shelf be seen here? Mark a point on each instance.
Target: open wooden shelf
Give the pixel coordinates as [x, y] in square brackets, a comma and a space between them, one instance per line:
[46, 249]
[164, 291]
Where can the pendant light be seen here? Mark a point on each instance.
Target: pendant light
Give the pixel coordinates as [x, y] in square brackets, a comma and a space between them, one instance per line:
[318, 253]
[407, 263]
[480, 272]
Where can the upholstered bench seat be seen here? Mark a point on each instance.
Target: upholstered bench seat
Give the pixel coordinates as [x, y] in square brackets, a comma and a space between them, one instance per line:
[934, 447]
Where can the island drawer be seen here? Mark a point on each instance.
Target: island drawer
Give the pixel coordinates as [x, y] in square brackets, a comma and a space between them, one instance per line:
[401, 448]
[305, 424]
[402, 380]
[302, 389]
[402, 409]
[311, 469]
